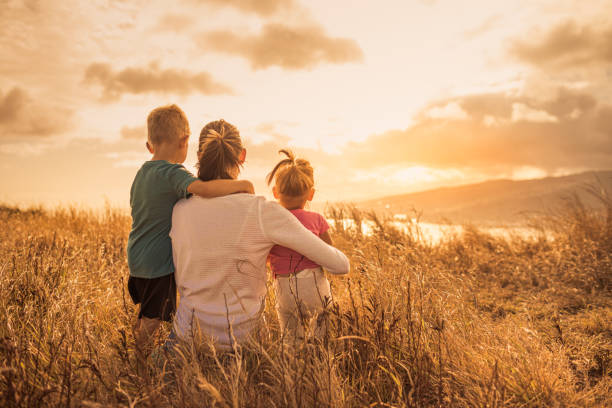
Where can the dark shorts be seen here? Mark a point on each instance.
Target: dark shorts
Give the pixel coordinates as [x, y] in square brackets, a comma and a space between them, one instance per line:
[157, 296]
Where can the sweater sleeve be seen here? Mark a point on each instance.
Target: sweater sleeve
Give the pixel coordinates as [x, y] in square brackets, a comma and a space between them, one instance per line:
[282, 228]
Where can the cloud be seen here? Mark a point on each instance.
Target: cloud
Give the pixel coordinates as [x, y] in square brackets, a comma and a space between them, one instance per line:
[151, 79]
[462, 139]
[21, 115]
[132, 159]
[450, 111]
[522, 112]
[134, 133]
[489, 24]
[567, 45]
[498, 132]
[174, 22]
[260, 7]
[291, 48]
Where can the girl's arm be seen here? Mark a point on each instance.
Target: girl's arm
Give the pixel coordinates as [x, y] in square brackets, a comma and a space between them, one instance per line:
[326, 238]
[282, 228]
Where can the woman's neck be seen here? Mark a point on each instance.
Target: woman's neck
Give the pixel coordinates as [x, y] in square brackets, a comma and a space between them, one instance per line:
[232, 174]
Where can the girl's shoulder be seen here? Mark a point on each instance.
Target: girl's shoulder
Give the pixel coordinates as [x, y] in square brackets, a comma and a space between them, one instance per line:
[305, 213]
[311, 219]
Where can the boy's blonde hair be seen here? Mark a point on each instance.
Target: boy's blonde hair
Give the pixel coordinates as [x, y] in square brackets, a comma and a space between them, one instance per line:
[294, 177]
[219, 151]
[167, 124]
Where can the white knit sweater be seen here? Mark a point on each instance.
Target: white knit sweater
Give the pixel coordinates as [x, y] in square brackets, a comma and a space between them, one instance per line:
[220, 246]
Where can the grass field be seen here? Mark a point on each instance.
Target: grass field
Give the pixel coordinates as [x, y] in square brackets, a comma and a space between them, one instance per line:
[471, 321]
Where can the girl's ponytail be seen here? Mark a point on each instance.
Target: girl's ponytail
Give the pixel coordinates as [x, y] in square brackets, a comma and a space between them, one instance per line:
[294, 177]
[290, 160]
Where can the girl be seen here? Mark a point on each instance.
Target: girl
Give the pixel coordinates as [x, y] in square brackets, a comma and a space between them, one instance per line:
[302, 290]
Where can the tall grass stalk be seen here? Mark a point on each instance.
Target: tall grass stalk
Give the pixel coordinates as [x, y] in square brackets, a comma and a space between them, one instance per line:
[474, 320]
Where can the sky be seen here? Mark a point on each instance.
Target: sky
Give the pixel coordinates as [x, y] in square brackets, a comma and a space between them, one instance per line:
[383, 98]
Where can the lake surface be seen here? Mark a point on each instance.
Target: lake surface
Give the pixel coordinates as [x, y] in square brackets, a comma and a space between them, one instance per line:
[434, 233]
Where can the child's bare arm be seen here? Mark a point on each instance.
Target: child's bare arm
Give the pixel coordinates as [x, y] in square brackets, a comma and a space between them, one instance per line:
[218, 188]
[326, 238]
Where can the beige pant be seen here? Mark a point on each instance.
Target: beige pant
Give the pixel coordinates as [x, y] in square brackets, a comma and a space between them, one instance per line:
[300, 297]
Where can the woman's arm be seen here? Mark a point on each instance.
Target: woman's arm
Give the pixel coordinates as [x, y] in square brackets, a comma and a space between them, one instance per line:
[282, 228]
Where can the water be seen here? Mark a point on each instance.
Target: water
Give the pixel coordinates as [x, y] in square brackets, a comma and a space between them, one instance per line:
[434, 233]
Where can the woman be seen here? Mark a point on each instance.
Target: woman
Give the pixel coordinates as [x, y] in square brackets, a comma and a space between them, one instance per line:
[220, 247]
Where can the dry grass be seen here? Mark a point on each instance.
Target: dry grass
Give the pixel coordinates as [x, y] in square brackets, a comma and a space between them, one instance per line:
[471, 321]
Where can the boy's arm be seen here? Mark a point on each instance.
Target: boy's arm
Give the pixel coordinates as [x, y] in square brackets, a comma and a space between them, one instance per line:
[218, 188]
[326, 238]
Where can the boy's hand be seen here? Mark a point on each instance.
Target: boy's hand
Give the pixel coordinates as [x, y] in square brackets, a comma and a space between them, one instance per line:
[248, 187]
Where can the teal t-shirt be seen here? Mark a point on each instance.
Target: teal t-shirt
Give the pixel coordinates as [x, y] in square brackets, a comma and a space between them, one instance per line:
[158, 185]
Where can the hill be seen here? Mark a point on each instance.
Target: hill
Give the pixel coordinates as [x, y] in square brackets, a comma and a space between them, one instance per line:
[496, 202]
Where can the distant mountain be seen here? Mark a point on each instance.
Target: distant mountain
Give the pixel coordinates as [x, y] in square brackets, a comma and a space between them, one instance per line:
[495, 202]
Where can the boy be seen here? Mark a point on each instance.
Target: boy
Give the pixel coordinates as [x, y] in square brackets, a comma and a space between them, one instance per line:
[158, 185]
